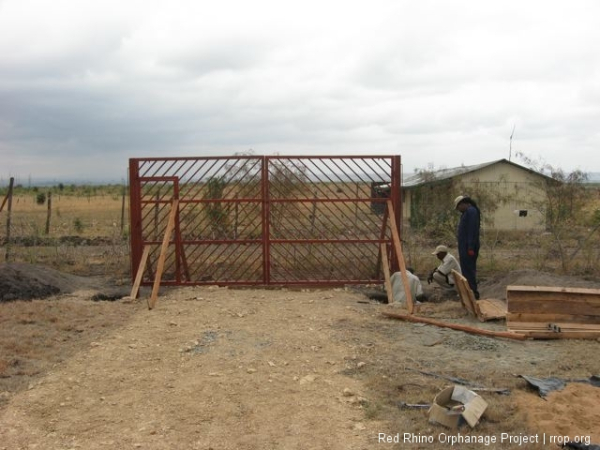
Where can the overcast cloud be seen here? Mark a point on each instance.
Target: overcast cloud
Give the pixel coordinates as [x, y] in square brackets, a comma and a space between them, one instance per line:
[86, 85]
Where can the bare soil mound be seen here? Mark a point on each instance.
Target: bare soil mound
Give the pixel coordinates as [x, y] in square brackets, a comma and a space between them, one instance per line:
[496, 286]
[20, 281]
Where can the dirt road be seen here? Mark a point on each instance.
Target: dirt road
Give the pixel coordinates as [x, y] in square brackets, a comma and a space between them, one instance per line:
[217, 368]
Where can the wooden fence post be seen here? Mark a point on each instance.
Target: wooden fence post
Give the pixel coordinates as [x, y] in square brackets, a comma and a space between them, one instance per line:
[8, 199]
[123, 210]
[49, 213]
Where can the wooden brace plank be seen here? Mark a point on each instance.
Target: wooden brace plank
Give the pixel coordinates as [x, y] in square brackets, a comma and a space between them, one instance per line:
[410, 306]
[454, 326]
[386, 274]
[140, 271]
[163, 253]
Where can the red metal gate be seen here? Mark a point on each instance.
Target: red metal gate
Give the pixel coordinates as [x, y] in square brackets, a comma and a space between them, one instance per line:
[264, 220]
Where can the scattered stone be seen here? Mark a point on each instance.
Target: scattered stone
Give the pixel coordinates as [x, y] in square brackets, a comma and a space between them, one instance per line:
[347, 392]
[308, 379]
[361, 364]
[251, 370]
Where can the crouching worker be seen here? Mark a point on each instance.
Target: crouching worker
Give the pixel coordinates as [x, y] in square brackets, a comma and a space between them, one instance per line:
[442, 274]
[414, 284]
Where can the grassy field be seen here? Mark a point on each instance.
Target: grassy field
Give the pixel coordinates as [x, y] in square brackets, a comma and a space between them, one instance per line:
[88, 232]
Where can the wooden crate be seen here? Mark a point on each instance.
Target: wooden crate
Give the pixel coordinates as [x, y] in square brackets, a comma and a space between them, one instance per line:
[554, 312]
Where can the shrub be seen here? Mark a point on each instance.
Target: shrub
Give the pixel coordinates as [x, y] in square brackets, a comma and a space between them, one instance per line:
[40, 198]
[78, 225]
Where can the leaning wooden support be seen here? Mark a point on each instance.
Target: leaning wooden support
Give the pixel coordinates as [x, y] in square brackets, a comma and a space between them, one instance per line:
[386, 273]
[410, 306]
[135, 289]
[454, 326]
[163, 254]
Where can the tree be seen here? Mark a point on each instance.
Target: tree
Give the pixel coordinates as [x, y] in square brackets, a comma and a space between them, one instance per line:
[215, 211]
[40, 198]
[563, 205]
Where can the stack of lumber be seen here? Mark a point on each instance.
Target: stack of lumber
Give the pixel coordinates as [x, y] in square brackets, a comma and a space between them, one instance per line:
[553, 312]
[484, 309]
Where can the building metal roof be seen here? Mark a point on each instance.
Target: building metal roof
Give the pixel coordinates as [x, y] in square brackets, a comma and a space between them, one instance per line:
[419, 179]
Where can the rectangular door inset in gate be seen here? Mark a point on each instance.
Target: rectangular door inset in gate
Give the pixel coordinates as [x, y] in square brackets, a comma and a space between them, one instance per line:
[264, 220]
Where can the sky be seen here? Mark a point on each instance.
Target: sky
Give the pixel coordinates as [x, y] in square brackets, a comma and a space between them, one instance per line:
[86, 85]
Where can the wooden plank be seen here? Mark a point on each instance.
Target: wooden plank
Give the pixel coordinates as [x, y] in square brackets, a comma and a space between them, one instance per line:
[565, 326]
[542, 307]
[580, 300]
[551, 318]
[465, 293]
[462, 294]
[490, 309]
[553, 297]
[454, 326]
[138, 275]
[386, 274]
[552, 289]
[410, 306]
[484, 309]
[551, 335]
[163, 253]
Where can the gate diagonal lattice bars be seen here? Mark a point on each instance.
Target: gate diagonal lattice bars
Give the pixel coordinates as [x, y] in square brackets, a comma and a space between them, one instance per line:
[264, 220]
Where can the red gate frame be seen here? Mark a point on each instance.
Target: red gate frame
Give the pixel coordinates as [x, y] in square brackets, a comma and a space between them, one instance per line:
[138, 243]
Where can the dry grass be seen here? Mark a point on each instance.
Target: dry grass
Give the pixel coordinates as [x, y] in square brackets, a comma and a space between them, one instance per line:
[84, 238]
[98, 215]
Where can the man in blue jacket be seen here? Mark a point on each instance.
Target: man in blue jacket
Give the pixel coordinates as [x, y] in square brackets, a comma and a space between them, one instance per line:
[468, 239]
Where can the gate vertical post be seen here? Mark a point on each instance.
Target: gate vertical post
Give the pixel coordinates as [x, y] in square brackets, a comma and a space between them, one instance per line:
[396, 198]
[135, 211]
[177, 234]
[265, 221]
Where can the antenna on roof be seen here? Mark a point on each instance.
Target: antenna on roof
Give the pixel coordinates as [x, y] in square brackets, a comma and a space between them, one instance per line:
[510, 142]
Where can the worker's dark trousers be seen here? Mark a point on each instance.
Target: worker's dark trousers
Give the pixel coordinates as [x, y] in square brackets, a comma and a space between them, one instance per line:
[468, 267]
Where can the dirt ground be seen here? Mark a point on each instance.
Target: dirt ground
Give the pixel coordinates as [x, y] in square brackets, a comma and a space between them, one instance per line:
[218, 368]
